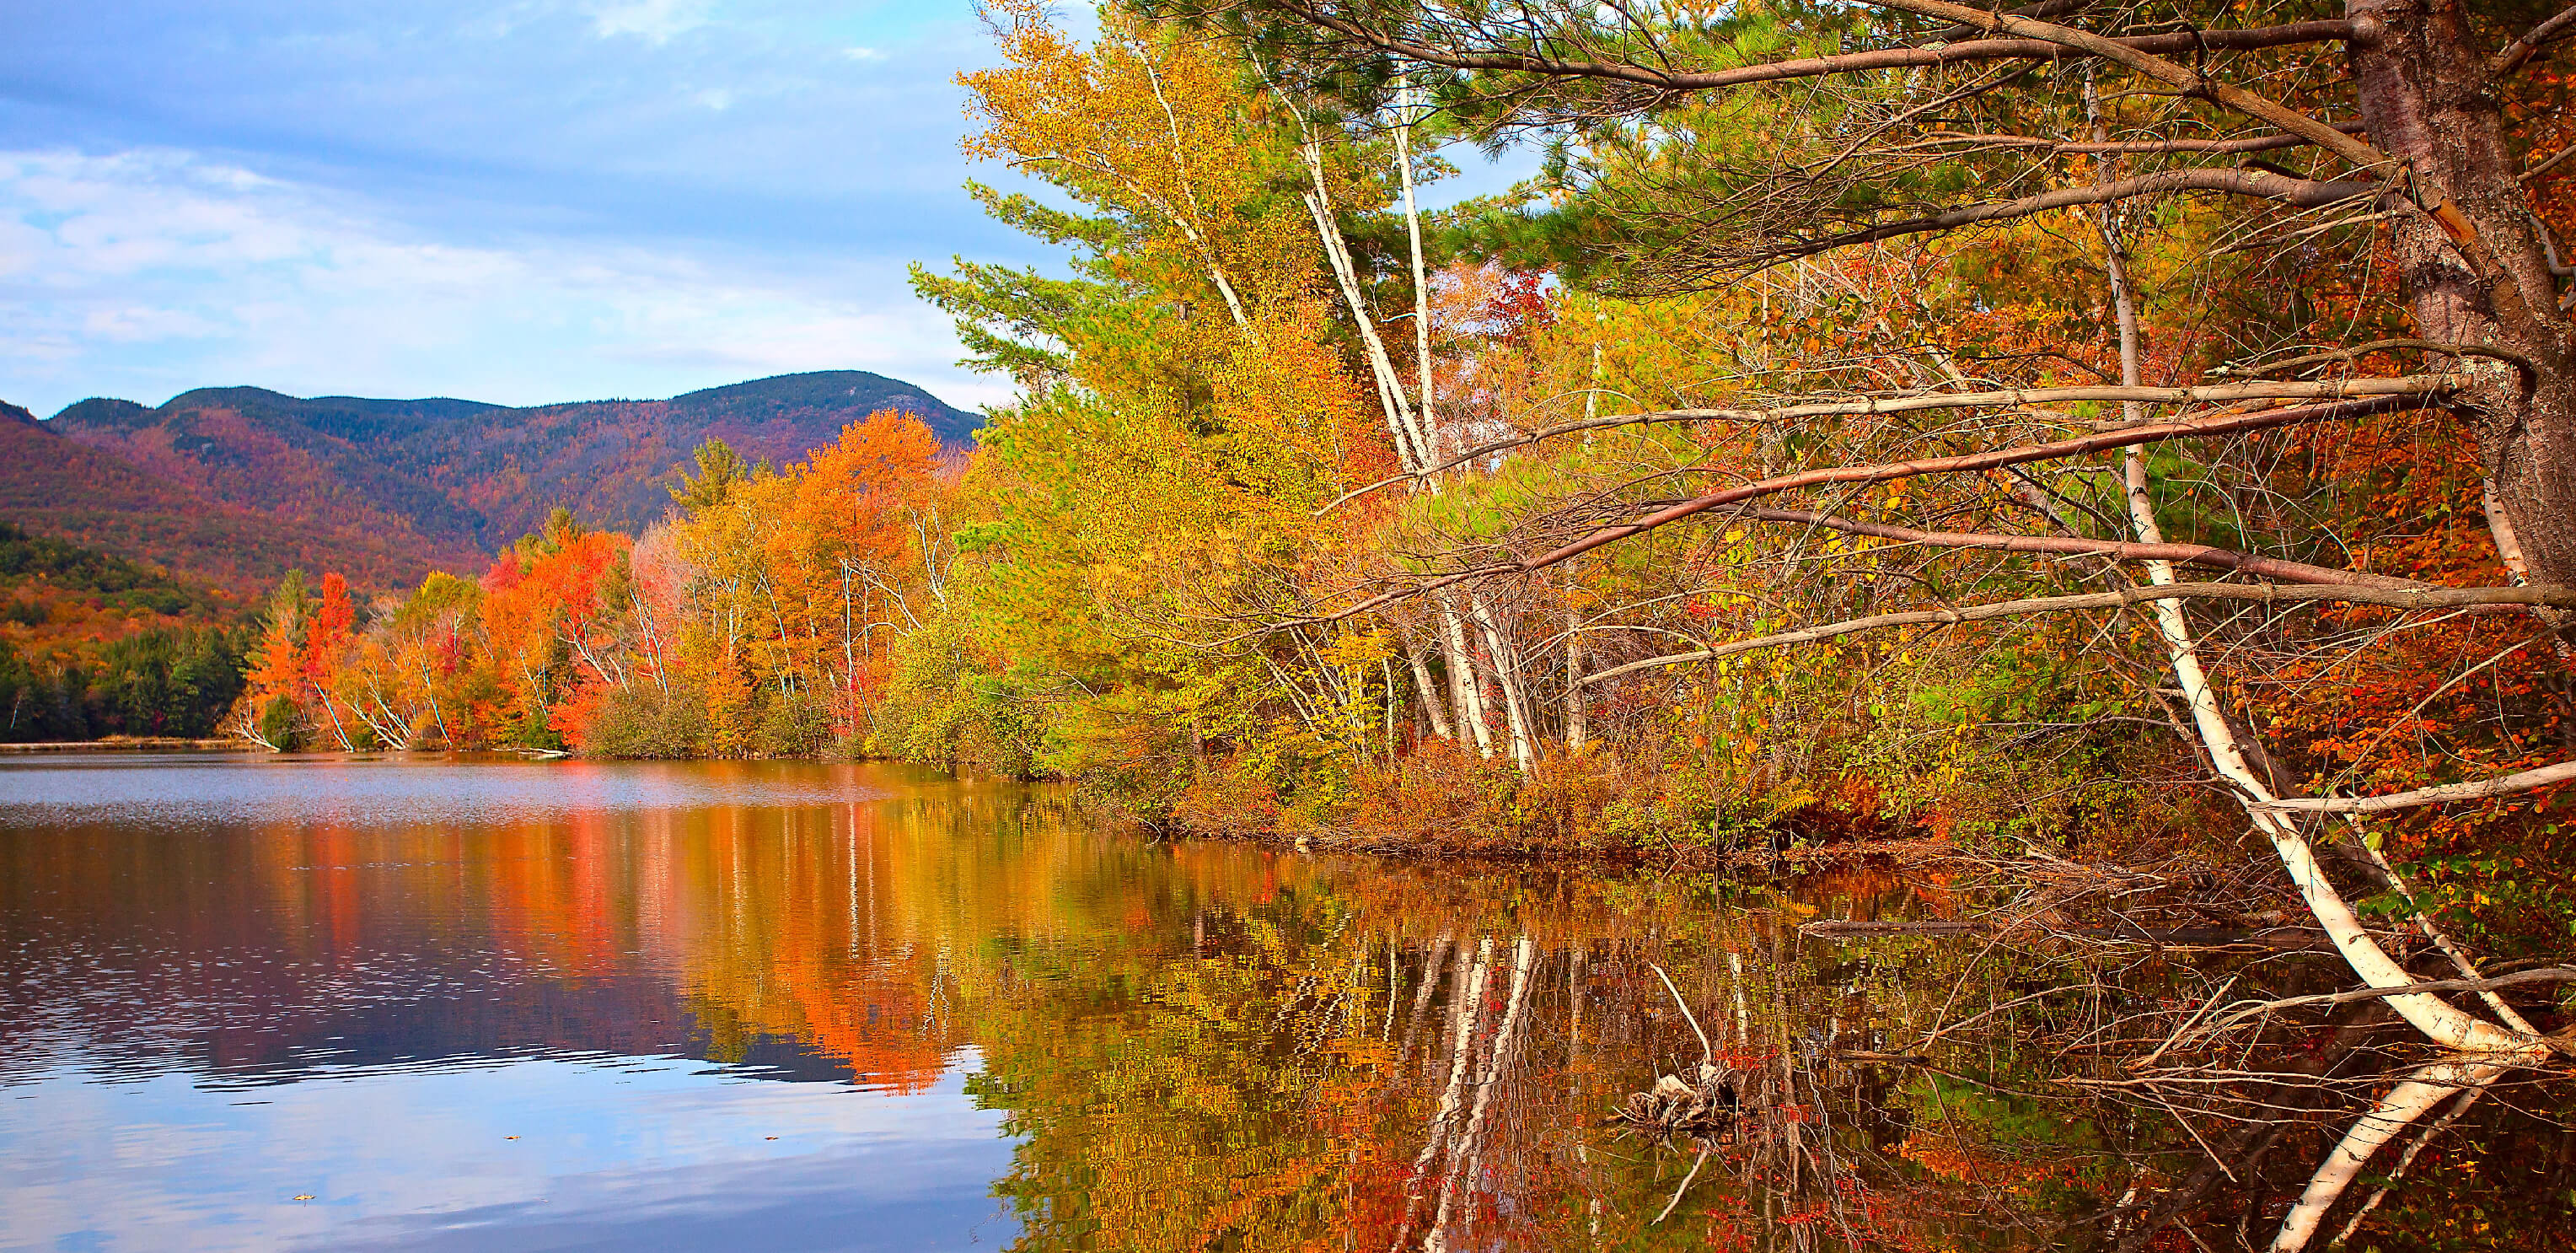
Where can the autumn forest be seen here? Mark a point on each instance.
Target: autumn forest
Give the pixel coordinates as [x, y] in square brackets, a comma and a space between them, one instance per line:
[2116, 462]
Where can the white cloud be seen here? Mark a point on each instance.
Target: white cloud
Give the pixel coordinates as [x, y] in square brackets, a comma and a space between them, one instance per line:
[145, 273]
[653, 21]
[863, 54]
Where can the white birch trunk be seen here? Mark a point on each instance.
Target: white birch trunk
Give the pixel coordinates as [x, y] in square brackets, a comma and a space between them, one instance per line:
[1432, 706]
[1507, 677]
[1462, 679]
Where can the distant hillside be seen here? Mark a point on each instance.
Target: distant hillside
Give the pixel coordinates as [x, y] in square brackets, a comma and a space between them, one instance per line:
[59, 600]
[401, 485]
[57, 487]
[801, 397]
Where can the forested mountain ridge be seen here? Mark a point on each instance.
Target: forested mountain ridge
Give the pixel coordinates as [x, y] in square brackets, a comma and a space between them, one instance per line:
[404, 486]
[60, 487]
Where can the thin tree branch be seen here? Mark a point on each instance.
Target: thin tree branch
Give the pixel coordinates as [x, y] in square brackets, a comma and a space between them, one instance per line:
[2013, 397]
[2186, 554]
[2521, 50]
[2546, 974]
[2257, 593]
[2004, 49]
[2137, 147]
[2137, 56]
[1995, 459]
[2261, 184]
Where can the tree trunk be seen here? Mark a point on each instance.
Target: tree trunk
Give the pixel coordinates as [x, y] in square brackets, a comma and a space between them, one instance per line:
[1432, 707]
[1578, 703]
[2471, 261]
[1428, 415]
[1506, 661]
[1470, 703]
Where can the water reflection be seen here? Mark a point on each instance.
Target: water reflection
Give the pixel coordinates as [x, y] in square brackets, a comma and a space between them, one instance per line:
[407, 1004]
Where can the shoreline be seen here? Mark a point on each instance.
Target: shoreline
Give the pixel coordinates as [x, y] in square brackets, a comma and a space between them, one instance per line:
[125, 744]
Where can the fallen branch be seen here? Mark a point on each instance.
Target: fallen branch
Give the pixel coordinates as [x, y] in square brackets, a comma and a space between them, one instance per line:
[2506, 785]
[2546, 974]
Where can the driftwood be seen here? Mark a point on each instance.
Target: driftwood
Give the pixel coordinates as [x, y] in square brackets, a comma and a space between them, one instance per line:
[1678, 1105]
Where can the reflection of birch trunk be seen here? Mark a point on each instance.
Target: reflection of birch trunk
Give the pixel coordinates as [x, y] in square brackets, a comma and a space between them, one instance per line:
[2421, 1093]
[1466, 1010]
[1433, 958]
[1498, 1055]
[1743, 1020]
[2406, 1161]
[1574, 1065]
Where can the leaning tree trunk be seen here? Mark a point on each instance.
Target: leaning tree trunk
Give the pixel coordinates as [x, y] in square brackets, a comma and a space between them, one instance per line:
[2472, 263]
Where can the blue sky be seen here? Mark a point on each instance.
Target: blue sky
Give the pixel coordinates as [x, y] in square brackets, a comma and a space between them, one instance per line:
[517, 201]
[510, 200]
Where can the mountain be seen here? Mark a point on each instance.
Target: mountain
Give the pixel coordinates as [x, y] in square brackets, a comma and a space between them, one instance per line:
[59, 487]
[385, 490]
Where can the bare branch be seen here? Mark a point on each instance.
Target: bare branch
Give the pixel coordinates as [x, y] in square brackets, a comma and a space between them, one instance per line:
[2546, 974]
[2136, 56]
[2521, 50]
[2546, 166]
[1995, 459]
[2009, 49]
[2257, 593]
[2014, 397]
[2183, 554]
[2134, 147]
[2260, 184]
[2358, 351]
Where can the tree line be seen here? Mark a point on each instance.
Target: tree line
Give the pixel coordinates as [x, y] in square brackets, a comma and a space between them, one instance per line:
[753, 621]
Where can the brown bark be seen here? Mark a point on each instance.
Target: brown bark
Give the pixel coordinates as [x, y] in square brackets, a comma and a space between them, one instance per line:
[2471, 262]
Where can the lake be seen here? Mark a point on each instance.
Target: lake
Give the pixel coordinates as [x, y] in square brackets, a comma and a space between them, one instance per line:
[429, 1004]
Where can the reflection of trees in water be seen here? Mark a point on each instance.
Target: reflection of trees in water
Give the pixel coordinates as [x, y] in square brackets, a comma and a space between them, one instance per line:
[1215, 1046]
[1416, 1058]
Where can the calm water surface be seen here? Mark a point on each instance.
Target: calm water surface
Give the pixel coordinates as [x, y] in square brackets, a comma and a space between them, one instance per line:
[260, 1004]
